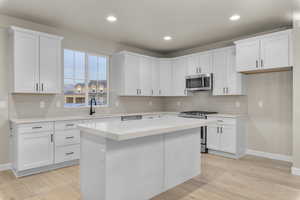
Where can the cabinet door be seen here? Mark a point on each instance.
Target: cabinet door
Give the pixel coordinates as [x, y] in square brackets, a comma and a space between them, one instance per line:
[155, 77]
[193, 64]
[228, 139]
[275, 51]
[26, 62]
[132, 74]
[213, 138]
[178, 77]
[165, 77]
[205, 64]
[50, 65]
[233, 77]
[219, 71]
[35, 150]
[145, 76]
[248, 55]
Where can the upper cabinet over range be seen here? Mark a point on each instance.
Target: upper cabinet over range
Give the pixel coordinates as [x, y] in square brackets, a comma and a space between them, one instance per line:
[268, 52]
[35, 60]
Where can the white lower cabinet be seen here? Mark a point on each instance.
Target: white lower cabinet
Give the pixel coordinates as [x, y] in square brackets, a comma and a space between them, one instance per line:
[227, 137]
[35, 150]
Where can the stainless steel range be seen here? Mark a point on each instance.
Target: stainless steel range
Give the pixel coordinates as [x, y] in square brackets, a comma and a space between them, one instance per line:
[199, 115]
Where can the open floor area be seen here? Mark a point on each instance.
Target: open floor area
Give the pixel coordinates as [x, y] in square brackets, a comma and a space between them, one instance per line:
[249, 178]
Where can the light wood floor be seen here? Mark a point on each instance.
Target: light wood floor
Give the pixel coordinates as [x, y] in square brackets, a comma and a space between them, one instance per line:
[250, 178]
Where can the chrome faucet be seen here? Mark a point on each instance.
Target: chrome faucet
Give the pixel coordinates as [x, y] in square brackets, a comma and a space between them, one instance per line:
[92, 110]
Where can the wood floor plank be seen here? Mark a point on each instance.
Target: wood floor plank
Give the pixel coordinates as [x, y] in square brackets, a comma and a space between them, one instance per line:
[249, 178]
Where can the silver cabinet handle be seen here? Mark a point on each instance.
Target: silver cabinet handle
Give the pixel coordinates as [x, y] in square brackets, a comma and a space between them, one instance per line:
[51, 138]
[69, 153]
[69, 124]
[200, 70]
[197, 70]
[227, 90]
[221, 129]
[37, 87]
[37, 127]
[42, 87]
[256, 63]
[217, 129]
[261, 62]
[223, 90]
[159, 91]
[137, 91]
[152, 92]
[70, 137]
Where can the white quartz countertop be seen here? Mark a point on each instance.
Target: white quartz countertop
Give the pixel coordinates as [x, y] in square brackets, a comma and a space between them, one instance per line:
[87, 117]
[124, 130]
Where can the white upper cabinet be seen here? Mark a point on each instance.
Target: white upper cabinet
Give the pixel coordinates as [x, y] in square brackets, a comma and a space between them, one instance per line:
[25, 62]
[200, 63]
[179, 71]
[50, 62]
[131, 78]
[275, 51]
[165, 78]
[35, 60]
[146, 65]
[155, 77]
[268, 52]
[226, 80]
[205, 65]
[247, 55]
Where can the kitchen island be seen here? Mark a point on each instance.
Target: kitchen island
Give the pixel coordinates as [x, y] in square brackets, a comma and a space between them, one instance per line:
[136, 160]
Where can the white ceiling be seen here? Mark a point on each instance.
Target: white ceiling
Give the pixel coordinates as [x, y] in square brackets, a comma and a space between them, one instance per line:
[143, 23]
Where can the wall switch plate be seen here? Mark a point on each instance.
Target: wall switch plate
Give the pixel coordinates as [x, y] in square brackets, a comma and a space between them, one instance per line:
[58, 104]
[42, 104]
[117, 103]
[3, 104]
[178, 103]
[150, 103]
[237, 104]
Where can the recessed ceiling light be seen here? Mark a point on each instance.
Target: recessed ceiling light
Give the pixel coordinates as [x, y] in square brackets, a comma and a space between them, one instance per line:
[235, 17]
[167, 38]
[111, 18]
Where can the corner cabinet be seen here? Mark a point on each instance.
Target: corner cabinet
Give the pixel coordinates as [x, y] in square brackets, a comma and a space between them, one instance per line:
[270, 52]
[227, 137]
[35, 60]
[226, 80]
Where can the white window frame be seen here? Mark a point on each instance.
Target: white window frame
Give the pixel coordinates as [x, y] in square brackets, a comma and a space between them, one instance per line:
[86, 68]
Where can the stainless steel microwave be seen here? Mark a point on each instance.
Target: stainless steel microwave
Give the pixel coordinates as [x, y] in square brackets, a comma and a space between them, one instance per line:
[200, 82]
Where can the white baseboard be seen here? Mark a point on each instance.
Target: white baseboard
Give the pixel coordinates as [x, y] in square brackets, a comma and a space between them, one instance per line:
[295, 171]
[269, 155]
[4, 167]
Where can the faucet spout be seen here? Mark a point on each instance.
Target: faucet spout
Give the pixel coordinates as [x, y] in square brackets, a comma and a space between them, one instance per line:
[92, 110]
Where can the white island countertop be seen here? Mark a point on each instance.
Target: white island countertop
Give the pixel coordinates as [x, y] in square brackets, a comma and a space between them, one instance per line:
[125, 130]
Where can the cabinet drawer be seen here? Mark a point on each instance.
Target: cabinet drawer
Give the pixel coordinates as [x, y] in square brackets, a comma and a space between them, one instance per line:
[35, 127]
[64, 125]
[224, 120]
[67, 137]
[67, 153]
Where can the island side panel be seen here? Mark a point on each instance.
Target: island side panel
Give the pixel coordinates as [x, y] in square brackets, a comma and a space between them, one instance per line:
[92, 167]
[182, 157]
[134, 168]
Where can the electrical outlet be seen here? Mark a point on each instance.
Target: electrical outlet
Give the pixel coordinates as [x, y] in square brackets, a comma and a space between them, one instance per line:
[178, 103]
[150, 103]
[3, 104]
[42, 104]
[58, 104]
[237, 104]
[117, 103]
[261, 104]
